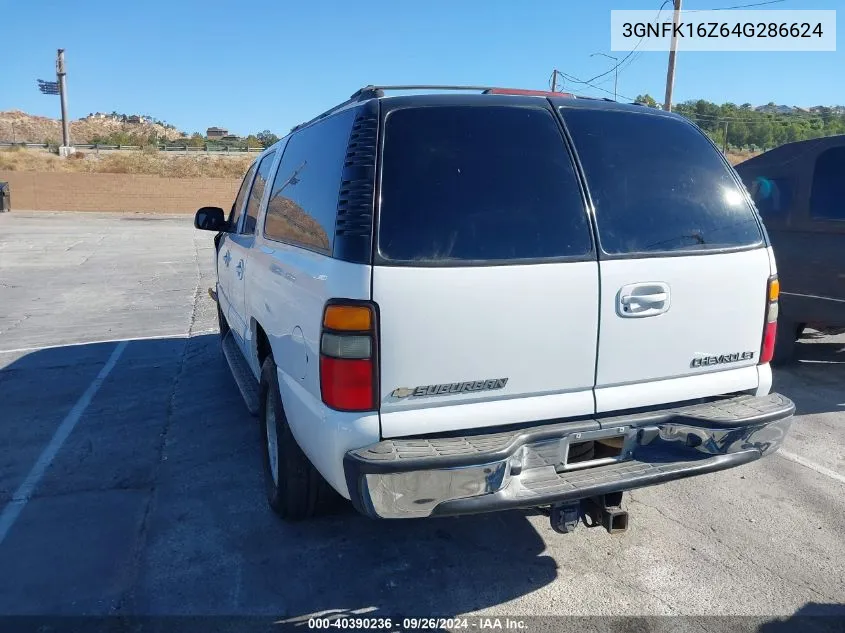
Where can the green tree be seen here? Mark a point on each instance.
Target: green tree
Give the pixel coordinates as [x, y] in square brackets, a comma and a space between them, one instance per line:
[648, 100]
[267, 138]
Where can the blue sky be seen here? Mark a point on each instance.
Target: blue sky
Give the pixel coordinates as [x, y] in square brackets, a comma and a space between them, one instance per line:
[249, 66]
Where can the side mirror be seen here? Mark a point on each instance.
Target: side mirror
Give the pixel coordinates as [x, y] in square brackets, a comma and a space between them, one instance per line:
[211, 219]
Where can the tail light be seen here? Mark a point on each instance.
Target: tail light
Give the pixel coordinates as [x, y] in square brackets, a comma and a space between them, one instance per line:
[771, 326]
[348, 369]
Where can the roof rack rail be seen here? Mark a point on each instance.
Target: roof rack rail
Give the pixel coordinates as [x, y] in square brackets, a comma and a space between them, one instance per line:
[366, 91]
[374, 92]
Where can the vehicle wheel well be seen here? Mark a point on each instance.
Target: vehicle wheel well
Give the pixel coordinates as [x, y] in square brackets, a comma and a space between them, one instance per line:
[262, 344]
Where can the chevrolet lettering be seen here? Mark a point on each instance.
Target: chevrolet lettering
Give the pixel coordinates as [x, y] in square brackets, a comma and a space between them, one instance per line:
[723, 359]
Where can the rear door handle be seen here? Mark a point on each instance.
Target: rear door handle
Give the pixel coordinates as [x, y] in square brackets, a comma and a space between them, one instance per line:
[643, 299]
[240, 269]
[657, 297]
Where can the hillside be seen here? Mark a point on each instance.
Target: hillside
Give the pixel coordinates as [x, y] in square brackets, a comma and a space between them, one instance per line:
[21, 127]
[773, 108]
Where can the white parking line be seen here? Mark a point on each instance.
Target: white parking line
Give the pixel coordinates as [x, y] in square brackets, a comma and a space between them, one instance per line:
[24, 492]
[110, 340]
[827, 472]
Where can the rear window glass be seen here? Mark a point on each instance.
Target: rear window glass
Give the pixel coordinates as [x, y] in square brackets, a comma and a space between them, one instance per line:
[658, 184]
[464, 184]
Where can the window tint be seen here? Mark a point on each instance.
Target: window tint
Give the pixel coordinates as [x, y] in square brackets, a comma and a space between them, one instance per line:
[489, 183]
[773, 196]
[257, 193]
[238, 207]
[303, 205]
[658, 184]
[827, 201]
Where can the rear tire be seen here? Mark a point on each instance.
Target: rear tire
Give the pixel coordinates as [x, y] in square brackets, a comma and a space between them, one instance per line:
[222, 324]
[295, 490]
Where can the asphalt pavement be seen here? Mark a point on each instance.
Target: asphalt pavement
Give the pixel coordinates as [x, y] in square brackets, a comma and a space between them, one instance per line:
[130, 475]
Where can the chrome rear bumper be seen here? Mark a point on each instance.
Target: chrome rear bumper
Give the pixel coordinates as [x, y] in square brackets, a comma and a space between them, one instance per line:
[527, 467]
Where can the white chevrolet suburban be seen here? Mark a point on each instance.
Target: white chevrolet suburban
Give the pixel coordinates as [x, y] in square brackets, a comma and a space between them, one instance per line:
[457, 302]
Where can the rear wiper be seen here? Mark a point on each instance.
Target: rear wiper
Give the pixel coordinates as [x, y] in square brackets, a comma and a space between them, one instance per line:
[697, 237]
[694, 236]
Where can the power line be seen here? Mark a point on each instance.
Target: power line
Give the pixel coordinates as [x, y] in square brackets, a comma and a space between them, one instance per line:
[634, 50]
[618, 65]
[623, 67]
[739, 6]
[580, 81]
[631, 57]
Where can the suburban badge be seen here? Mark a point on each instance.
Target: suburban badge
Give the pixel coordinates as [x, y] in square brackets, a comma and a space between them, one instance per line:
[450, 388]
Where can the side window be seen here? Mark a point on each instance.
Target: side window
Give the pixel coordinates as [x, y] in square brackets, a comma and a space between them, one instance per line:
[237, 208]
[773, 196]
[257, 193]
[303, 204]
[827, 200]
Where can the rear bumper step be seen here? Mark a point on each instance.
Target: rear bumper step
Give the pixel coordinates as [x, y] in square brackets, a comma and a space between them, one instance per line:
[527, 467]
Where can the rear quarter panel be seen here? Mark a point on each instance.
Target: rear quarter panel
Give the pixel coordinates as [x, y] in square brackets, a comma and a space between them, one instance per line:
[289, 287]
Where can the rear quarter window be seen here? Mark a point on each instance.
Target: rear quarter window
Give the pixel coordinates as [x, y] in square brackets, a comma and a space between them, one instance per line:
[302, 208]
[478, 184]
[658, 185]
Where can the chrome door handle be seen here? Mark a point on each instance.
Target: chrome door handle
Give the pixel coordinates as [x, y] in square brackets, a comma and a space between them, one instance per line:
[643, 299]
[240, 269]
[657, 297]
[227, 258]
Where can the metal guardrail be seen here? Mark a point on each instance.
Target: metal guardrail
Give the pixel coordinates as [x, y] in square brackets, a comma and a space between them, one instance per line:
[208, 149]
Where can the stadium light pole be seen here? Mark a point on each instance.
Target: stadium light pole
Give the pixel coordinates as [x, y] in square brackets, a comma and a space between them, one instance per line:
[60, 75]
[59, 88]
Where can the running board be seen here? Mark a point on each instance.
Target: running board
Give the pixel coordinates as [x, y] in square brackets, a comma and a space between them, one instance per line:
[241, 372]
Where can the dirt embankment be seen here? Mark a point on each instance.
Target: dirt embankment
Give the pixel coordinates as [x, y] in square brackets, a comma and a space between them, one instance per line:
[150, 163]
[44, 191]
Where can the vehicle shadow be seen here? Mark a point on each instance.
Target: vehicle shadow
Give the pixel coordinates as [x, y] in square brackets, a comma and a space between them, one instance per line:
[159, 485]
[814, 380]
[813, 617]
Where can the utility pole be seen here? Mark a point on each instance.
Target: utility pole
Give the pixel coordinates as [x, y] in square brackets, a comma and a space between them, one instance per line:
[66, 147]
[554, 80]
[725, 144]
[673, 51]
